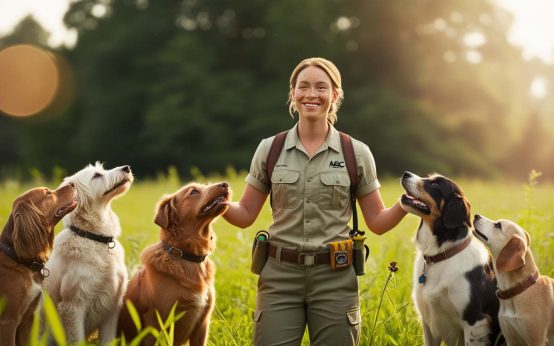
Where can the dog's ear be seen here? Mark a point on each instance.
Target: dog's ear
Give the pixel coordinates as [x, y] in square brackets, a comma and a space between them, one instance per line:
[512, 255]
[163, 212]
[456, 213]
[528, 238]
[30, 232]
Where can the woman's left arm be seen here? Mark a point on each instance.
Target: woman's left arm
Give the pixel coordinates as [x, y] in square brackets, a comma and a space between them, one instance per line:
[378, 218]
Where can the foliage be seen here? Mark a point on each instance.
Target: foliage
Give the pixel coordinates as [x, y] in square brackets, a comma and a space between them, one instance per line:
[199, 83]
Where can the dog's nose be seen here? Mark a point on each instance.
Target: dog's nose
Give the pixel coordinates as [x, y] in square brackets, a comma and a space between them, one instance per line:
[477, 217]
[224, 185]
[126, 169]
[406, 175]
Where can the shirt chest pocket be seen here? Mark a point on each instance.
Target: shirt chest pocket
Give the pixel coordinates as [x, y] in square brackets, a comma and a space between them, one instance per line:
[285, 189]
[335, 190]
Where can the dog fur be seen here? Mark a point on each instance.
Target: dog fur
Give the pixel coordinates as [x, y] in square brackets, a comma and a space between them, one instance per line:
[88, 279]
[457, 302]
[185, 219]
[30, 233]
[527, 318]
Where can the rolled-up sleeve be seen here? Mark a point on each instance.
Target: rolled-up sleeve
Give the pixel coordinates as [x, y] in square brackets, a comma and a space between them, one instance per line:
[257, 176]
[367, 172]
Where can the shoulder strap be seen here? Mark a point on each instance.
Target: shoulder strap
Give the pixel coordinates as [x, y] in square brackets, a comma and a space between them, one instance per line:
[274, 152]
[350, 160]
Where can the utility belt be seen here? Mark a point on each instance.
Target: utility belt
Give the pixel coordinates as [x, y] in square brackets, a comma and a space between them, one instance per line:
[341, 254]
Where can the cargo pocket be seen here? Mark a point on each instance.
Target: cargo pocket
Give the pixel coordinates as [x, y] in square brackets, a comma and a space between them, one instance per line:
[284, 188]
[335, 190]
[354, 323]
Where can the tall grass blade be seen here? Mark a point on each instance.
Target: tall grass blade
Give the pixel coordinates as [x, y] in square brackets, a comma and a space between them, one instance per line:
[53, 321]
[134, 314]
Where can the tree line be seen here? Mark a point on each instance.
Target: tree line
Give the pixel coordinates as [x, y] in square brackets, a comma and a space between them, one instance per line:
[430, 86]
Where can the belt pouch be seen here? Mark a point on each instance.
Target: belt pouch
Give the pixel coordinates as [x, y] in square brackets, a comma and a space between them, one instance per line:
[340, 254]
[259, 252]
[361, 252]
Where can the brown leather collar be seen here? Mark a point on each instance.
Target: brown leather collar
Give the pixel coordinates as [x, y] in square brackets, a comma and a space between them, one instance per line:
[448, 253]
[519, 288]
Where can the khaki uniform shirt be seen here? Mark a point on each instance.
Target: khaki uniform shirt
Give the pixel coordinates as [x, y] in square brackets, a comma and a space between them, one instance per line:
[311, 196]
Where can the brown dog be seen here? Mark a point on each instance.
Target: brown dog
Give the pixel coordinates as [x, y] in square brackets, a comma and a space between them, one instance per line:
[526, 298]
[25, 245]
[176, 269]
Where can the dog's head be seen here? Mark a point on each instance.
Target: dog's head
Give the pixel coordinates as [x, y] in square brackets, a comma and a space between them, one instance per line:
[192, 208]
[439, 202]
[97, 187]
[34, 215]
[507, 241]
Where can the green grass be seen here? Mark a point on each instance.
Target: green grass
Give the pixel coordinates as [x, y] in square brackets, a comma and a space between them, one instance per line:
[396, 324]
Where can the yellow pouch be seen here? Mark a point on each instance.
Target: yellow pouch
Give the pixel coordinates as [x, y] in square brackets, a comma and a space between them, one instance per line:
[340, 254]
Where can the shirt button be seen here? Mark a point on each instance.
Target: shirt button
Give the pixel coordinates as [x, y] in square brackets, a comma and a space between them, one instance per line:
[308, 201]
[307, 240]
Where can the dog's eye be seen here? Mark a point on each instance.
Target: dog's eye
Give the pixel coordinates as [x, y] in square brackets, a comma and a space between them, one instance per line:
[498, 225]
[435, 185]
[194, 192]
[97, 175]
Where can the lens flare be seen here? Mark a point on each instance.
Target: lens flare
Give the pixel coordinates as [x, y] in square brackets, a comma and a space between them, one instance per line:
[29, 80]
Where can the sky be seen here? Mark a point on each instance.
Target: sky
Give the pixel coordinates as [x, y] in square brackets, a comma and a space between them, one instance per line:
[533, 27]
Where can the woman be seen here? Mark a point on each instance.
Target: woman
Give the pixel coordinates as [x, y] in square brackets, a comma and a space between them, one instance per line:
[311, 208]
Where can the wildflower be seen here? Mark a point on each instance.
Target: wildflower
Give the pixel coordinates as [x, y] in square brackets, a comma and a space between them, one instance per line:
[392, 267]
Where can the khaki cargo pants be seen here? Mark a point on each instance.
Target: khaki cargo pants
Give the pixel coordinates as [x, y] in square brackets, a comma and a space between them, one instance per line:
[293, 295]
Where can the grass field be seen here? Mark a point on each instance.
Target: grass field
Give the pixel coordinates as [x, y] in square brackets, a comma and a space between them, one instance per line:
[396, 322]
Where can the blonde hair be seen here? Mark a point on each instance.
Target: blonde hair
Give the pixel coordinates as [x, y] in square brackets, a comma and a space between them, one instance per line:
[332, 71]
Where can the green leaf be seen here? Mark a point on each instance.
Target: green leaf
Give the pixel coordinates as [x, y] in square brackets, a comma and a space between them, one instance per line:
[134, 314]
[53, 320]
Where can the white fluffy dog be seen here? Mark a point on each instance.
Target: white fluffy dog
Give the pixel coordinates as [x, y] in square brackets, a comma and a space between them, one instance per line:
[88, 276]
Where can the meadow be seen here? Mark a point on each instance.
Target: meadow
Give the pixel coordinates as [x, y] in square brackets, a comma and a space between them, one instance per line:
[388, 313]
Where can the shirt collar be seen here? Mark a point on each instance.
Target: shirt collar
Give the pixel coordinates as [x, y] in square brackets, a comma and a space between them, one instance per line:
[332, 141]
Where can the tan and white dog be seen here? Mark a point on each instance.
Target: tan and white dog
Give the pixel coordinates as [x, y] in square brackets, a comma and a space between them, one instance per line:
[526, 298]
[88, 276]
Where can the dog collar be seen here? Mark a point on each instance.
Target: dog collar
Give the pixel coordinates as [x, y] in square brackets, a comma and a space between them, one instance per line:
[428, 260]
[36, 266]
[519, 288]
[178, 253]
[110, 241]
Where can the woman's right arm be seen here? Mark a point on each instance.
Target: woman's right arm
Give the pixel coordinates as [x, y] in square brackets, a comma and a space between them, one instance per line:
[244, 212]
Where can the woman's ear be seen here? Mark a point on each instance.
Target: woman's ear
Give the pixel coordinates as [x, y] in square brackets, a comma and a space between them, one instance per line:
[512, 255]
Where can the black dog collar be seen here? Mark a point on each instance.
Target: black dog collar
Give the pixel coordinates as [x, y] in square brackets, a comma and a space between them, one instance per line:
[178, 253]
[110, 241]
[35, 265]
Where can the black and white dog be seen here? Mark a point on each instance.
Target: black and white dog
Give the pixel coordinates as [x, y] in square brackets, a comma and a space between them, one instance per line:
[454, 283]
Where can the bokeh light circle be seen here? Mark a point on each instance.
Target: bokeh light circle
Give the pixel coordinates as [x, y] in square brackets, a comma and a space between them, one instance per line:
[29, 80]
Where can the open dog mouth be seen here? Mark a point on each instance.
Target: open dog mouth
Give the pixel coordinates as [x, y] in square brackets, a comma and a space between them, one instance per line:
[118, 185]
[415, 203]
[218, 203]
[66, 209]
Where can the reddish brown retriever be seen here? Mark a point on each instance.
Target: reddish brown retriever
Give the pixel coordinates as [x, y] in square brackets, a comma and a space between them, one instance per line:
[25, 245]
[176, 269]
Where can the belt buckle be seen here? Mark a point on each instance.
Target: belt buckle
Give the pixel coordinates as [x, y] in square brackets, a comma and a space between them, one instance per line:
[307, 259]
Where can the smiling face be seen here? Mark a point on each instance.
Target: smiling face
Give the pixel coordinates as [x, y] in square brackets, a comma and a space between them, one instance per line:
[313, 94]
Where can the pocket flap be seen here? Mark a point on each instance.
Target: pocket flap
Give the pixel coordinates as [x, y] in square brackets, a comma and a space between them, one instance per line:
[284, 176]
[340, 179]
[354, 316]
[257, 315]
